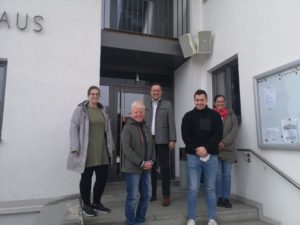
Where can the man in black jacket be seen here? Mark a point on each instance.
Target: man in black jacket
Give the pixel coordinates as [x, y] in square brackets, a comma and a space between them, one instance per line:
[202, 130]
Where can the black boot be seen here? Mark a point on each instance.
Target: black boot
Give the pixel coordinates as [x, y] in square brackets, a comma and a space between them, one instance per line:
[220, 202]
[227, 203]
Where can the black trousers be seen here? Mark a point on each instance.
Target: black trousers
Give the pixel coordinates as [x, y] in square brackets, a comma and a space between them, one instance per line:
[163, 158]
[86, 183]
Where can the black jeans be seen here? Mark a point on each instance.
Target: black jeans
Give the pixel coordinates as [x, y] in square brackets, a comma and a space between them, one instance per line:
[163, 158]
[86, 183]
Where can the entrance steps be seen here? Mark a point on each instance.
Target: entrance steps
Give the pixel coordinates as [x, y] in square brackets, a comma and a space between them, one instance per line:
[175, 214]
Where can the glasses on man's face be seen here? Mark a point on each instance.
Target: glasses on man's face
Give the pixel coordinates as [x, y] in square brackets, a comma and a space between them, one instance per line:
[95, 94]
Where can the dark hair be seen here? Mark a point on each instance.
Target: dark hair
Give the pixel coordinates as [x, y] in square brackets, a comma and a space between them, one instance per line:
[218, 96]
[200, 92]
[92, 88]
[154, 84]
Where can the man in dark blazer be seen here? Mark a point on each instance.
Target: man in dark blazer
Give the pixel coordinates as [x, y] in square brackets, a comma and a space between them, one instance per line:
[159, 117]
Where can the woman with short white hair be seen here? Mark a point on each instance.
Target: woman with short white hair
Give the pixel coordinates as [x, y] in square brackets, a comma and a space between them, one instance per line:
[138, 155]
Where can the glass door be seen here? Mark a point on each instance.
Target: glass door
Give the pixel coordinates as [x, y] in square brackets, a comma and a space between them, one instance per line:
[119, 100]
[125, 100]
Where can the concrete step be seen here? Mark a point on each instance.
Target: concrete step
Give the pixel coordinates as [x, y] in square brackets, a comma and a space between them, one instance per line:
[252, 222]
[177, 217]
[175, 214]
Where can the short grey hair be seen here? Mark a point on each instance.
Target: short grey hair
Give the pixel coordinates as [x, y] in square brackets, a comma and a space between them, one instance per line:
[138, 104]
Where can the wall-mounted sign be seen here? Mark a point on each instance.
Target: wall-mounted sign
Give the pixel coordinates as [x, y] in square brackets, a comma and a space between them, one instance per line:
[277, 107]
[23, 22]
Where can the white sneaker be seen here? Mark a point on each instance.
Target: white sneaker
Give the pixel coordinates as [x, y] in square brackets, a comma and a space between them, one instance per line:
[212, 222]
[191, 222]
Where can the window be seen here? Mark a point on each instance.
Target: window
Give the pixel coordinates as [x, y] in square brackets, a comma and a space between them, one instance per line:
[2, 92]
[226, 82]
[166, 18]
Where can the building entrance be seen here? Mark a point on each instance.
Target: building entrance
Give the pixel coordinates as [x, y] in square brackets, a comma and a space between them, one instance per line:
[118, 98]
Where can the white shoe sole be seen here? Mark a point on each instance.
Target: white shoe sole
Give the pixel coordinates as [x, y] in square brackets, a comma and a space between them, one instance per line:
[99, 211]
[88, 215]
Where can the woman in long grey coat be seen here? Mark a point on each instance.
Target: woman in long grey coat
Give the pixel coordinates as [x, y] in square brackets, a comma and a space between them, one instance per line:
[91, 148]
[226, 151]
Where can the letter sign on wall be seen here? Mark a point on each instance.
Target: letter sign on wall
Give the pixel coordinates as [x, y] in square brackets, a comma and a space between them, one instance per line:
[23, 22]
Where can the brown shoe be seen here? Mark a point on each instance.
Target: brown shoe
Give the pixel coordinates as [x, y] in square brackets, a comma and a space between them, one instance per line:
[166, 201]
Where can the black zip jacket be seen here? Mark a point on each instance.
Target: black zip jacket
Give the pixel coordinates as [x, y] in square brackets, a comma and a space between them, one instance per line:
[202, 128]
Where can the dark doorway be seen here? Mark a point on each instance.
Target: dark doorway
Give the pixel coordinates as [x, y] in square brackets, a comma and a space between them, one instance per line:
[118, 94]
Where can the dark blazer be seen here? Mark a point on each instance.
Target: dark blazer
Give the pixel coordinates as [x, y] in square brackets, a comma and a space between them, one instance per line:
[165, 130]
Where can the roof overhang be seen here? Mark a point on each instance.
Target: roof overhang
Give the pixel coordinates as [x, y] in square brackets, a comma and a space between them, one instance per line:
[131, 52]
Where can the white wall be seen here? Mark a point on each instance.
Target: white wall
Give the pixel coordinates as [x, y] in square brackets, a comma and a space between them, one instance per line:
[187, 81]
[265, 35]
[48, 74]
[256, 181]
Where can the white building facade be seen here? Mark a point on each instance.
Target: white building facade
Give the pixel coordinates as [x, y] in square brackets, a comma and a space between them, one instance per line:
[47, 75]
[56, 57]
[263, 35]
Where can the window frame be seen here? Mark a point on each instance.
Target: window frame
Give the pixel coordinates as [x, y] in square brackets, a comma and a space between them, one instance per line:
[2, 95]
[228, 68]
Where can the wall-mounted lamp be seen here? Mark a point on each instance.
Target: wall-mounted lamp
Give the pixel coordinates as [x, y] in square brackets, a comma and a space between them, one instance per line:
[137, 77]
[201, 44]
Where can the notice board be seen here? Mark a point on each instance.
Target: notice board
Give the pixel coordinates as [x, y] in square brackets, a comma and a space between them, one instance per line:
[277, 101]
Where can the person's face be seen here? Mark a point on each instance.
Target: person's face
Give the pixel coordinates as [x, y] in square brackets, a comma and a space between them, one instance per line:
[138, 113]
[94, 96]
[156, 92]
[220, 103]
[200, 101]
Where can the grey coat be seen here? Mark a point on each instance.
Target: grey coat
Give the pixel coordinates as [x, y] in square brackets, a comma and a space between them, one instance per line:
[165, 130]
[230, 127]
[79, 137]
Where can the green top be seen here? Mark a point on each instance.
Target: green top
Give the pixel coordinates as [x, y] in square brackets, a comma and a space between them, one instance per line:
[97, 151]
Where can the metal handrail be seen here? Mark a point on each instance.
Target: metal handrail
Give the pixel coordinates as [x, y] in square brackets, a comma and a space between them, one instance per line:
[285, 176]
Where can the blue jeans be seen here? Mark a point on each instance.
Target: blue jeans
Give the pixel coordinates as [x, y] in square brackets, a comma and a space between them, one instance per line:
[196, 167]
[224, 179]
[137, 183]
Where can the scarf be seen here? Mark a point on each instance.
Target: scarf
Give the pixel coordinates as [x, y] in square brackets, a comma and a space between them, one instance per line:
[223, 112]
